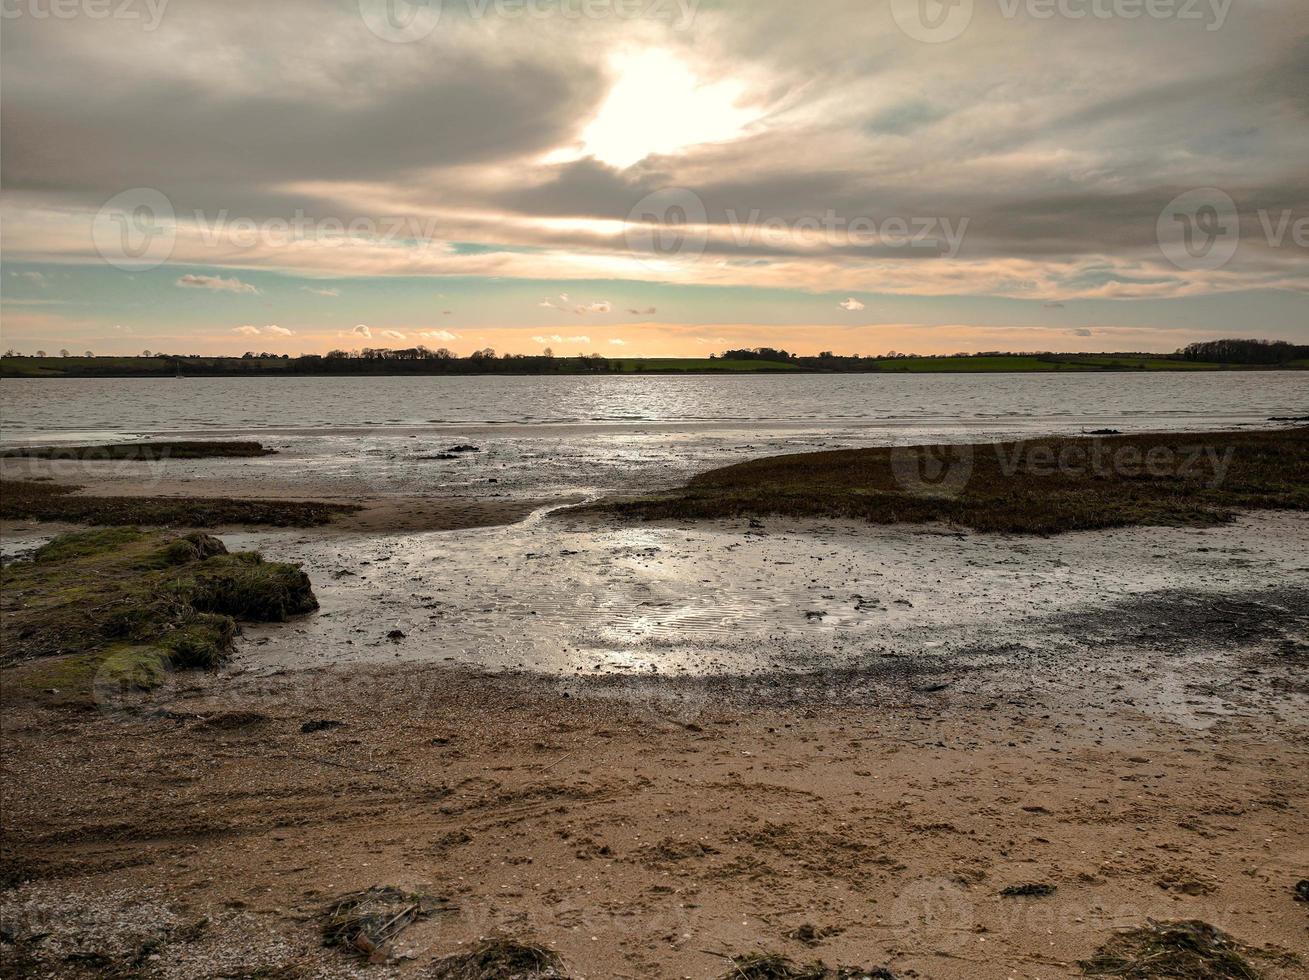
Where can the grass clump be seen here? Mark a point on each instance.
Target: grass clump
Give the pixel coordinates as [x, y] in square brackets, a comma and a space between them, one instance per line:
[120, 608]
[247, 587]
[501, 958]
[30, 500]
[1038, 890]
[366, 921]
[142, 451]
[1042, 486]
[1190, 950]
[775, 966]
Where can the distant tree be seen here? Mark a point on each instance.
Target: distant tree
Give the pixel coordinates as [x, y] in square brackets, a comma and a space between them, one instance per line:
[89, 354]
[146, 353]
[337, 355]
[64, 352]
[40, 353]
[548, 353]
[758, 354]
[1245, 351]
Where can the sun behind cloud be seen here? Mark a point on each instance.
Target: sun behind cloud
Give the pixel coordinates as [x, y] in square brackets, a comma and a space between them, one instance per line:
[658, 105]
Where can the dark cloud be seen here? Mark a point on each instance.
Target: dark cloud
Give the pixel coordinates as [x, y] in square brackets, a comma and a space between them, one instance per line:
[1063, 157]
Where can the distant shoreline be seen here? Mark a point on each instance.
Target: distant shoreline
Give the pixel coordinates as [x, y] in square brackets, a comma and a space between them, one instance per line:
[162, 366]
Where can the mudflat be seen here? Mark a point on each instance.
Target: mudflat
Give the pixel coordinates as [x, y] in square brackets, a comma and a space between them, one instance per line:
[646, 829]
[648, 748]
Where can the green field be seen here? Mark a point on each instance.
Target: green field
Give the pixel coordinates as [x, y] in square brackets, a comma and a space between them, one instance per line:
[924, 365]
[637, 364]
[1150, 364]
[145, 367]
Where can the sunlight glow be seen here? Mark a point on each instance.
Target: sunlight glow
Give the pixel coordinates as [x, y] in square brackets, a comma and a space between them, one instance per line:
[657, 105]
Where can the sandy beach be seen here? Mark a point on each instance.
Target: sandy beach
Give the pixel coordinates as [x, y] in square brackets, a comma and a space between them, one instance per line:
[654, 490]
[652, 746]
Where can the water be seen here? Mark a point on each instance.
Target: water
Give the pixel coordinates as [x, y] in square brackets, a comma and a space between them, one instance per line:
[544, 595]
[594, 434]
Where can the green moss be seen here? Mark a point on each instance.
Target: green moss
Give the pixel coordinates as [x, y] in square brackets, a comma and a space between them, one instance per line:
[201, 644]
[121, 607]
[247, 587]
[141, 668]
[84, 544]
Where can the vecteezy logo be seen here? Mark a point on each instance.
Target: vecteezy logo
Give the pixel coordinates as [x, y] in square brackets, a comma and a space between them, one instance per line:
[135, 230]
[932, 913]
[127, 685]
[932, 471]
[932, 21]
[401, 21]
[666, 224]
[1199, 229]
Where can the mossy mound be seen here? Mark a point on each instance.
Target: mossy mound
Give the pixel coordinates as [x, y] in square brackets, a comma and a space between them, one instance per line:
[124, 607]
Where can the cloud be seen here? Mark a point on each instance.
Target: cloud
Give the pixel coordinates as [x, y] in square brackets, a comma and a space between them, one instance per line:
[393, 335]
[248, 330]
[322, 292]
[1063, 183]
[362, 330]
[597, 306]
[648, 311]
[557, 339]
[1083, 332]
[216, 283]
[31, 276]
[438, 335]
[1053, 306]
[851, 304]
[280, 331]
[618, 343]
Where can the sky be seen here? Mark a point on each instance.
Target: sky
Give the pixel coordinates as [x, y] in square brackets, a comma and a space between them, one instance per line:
[652, 177]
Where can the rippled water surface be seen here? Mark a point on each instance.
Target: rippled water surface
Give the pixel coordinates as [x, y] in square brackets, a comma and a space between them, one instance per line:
[543, 436]
[43, 408]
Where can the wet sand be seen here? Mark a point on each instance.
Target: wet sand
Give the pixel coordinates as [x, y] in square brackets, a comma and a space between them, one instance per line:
[642, 828]
[867, 730]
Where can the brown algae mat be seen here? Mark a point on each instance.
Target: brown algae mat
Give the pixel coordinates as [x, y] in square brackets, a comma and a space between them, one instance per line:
[1042, 486]
[501, 958]
[30, 500]
[1189, 950]
[142, 451]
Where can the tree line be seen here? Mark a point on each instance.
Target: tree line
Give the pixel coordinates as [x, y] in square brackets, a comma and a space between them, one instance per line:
[1244, 352]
